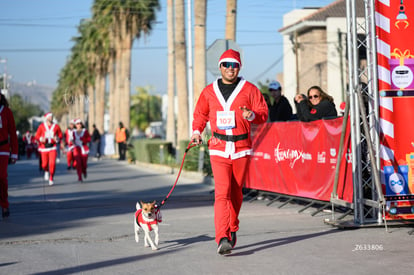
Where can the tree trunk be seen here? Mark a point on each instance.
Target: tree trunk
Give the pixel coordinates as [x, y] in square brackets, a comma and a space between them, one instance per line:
[100, 103]
[90, 98]
[112, 96]
[200, 9]
[231, 19]
[118, 87]
[171, 134]
[126, 82]
[181, 72]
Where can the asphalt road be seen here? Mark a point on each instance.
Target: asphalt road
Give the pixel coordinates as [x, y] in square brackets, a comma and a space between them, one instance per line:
[73, 228]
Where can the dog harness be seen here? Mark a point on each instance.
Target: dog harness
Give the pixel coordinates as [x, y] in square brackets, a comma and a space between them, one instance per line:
[140, 219]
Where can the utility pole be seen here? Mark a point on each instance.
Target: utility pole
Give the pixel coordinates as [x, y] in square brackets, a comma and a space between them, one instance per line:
[294, 40]
[341, 64]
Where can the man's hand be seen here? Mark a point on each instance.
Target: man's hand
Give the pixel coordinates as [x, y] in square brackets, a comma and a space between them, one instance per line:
[196, 139]
[246, 112]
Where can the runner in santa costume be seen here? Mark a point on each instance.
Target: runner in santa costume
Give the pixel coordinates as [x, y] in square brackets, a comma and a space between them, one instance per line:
[29, 142]
[81, 139]
[8, 151]
[48, 135]
[70, 145]
[230, 104]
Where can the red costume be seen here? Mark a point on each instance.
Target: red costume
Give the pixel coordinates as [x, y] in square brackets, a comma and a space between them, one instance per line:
[30, 144]
[8, 149]
[47, 136]
[81, 139]
[230, 145]
[141, 221]
[70, 146]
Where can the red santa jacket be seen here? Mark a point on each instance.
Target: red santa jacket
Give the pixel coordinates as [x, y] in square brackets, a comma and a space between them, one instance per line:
[29, 140]
[47, 136]
[211, 102]
[69, 139]
[81, 140]
[8, 137]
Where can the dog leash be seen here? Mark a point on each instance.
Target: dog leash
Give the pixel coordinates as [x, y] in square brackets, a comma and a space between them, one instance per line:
[190, 145]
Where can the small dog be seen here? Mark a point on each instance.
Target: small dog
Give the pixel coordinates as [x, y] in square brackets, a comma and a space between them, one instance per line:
[147, 217]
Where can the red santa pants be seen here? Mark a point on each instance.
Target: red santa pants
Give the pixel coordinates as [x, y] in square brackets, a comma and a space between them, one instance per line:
[229, 176]
[70, 159]
[4, 195]
[81, 162]
[49, 162]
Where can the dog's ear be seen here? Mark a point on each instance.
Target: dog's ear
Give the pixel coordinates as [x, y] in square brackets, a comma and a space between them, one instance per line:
[141, 203]
[154, 202]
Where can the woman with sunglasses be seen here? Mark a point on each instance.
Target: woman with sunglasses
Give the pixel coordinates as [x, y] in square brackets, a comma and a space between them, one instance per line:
[315, 106]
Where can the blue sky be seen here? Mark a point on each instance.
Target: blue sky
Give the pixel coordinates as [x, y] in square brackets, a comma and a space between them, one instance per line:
[36, 39]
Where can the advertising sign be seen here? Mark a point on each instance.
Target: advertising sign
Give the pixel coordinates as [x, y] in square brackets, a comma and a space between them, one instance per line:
[299, 159]
[395, 40]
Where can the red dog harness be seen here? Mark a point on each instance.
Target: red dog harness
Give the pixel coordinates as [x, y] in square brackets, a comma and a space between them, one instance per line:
[140, 219]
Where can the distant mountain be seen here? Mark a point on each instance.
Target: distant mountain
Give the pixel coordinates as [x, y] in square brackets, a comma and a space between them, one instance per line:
[34, 93]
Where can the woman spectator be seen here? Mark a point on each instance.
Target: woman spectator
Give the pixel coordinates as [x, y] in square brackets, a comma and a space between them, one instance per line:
[316, 105]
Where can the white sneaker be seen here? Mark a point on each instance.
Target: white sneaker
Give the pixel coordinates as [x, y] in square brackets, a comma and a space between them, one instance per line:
[46, 175]
[51, 182]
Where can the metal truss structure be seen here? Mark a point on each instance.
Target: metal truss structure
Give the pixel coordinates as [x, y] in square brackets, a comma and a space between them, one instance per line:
[364, 115]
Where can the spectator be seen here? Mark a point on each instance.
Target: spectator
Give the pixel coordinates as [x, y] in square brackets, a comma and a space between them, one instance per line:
[316, 105]
[280, 109]
[8, 151]
[121, 137]
[96, 142]
[231, 104]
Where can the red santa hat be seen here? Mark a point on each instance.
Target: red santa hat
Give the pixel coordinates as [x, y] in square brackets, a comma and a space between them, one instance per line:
[72, 121]
[78, 120]
[230, 56]
[48, 115]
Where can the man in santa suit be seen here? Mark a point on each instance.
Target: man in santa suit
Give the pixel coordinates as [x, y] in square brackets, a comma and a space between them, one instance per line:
[48, 135]
[81, 139]
[70, 145]
[29, 142]
[231, 104]
[8, 151]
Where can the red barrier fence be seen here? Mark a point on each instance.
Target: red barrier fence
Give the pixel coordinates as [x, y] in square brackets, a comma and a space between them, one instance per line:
[299, 159]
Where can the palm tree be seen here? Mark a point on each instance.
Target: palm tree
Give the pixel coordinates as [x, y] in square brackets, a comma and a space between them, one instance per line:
[231, 10]
[200, 10]
[171, 134]
[181, 72]
[125, 20]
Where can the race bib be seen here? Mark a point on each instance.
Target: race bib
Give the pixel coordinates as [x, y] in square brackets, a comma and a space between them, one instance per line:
[225, 120]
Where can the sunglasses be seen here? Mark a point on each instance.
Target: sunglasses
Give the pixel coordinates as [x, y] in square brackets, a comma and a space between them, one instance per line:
[314, 96]
[234, 65]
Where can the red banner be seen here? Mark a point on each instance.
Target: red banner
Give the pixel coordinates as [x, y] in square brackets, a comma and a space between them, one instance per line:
[299, 159]
[395, 28]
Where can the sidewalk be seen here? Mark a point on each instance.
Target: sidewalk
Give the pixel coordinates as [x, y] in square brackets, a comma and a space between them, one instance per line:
[73, 228]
